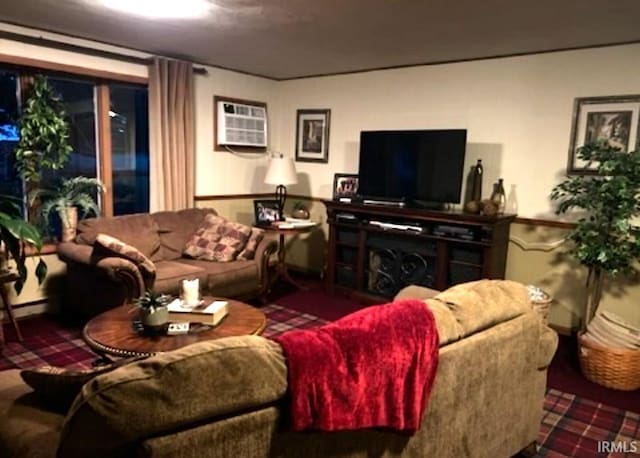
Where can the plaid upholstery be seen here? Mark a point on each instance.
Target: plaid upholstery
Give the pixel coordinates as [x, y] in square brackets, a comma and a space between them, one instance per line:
[218, 239]
[249, 251]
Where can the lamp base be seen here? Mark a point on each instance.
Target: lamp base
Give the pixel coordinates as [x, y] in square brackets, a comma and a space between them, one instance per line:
[281, 197]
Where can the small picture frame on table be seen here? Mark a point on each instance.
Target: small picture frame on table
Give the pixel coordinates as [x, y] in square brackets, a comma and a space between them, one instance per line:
[615, 119]
[266, 212]
[345, 186]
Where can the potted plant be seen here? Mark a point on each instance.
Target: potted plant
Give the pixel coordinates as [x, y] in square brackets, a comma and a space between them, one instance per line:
[44, 134]
[65, 198]
[300, 211]
[15, 235]
[604, 238]
[154, 312]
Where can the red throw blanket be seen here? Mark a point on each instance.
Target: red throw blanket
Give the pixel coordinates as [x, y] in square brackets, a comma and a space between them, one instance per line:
[372, 368]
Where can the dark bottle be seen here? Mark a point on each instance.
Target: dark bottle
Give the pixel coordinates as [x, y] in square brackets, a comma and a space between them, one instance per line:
[477, 181]
[498, 196]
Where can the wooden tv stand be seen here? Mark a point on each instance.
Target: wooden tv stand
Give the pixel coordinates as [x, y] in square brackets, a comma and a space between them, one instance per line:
[375, 250]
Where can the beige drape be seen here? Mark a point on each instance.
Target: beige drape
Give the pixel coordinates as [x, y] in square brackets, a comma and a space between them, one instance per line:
[171, 135]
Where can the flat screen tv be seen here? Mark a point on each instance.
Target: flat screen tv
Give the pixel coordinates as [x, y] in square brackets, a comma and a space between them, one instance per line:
[412, 166]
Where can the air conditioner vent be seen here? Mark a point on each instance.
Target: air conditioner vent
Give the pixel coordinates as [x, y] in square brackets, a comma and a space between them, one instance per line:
[241, 124]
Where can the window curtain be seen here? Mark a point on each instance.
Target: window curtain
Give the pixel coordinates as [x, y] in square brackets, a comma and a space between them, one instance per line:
[171, 135]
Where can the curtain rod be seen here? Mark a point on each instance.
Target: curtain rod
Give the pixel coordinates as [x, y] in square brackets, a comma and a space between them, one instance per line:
[41, 41]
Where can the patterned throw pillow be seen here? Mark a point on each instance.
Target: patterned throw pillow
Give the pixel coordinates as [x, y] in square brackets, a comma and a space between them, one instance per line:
[249, 251]
[218, 239]
[110, 246]
[57, 387]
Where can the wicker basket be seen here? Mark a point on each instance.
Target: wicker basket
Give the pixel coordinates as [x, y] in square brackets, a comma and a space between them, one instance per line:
[615, 368]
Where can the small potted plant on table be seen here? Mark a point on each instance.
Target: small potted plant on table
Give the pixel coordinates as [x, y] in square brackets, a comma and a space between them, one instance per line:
[154, 311]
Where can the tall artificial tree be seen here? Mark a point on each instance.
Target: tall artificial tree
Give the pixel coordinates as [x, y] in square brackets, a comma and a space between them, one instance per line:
[44, 133]
[604, 238]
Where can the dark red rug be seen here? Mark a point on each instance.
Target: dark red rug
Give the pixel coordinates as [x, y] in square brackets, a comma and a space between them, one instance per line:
[572, 426]
[47, 341]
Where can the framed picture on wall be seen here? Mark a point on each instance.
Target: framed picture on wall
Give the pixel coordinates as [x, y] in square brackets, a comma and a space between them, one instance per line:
[614, 119]
[345, 186]
[266, 212]
[312, 135]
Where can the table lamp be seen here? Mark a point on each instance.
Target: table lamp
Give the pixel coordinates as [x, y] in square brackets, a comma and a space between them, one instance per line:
[281, 172]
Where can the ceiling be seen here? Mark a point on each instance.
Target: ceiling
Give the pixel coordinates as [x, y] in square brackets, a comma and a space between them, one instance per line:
[285, 39]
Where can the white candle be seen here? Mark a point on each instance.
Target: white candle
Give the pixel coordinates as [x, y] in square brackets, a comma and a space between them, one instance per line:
[191, 292]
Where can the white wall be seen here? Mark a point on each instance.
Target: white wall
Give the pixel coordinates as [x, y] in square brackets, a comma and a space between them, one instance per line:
[222, 172]
[517, 111]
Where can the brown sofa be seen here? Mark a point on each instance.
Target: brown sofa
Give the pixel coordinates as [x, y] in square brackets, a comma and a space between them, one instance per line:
[227, 398]
[95, 284]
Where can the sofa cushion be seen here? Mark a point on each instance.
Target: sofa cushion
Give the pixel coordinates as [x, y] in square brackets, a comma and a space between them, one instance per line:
[218, 239]
[175, 229]
[26, 429]
[106, 245]
[169, 275]
[249, 251]
[481, 304]
[229, 279]
[138, 230]
[173, 391]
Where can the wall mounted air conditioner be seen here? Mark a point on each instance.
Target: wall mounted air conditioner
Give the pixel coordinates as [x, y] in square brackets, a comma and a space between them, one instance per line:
[241, 124]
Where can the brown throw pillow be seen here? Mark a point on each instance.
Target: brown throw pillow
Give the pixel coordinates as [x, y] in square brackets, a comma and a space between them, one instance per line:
[249, 251]
[218, 239]
[106, 245]
[57, 387]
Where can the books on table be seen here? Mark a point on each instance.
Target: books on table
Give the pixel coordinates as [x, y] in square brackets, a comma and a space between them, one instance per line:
[207, 312]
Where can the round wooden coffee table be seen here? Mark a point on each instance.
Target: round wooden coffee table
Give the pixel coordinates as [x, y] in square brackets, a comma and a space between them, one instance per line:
[113, 332]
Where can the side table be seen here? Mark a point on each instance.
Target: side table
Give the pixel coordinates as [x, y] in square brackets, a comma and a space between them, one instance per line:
[5, 279]
[281, 266]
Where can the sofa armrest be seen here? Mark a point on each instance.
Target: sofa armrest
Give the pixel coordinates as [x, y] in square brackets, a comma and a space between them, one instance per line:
[267, 247]
[117, 268]
[74, 252]
[548, 346]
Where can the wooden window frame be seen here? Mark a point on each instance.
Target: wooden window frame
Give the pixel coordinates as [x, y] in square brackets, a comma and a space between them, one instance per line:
[27, 67]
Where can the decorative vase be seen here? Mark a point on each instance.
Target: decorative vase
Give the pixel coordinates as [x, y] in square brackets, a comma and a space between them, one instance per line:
[478, 171]
[499, 197]
[154, 318]
[70, 224]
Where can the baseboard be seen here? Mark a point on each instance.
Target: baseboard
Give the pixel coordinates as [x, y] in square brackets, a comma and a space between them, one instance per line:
[30, 309]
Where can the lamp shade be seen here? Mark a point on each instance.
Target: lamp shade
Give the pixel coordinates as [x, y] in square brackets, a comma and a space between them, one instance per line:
[281, 170]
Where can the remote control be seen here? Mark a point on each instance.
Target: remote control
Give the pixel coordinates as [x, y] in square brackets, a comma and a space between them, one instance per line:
[177, 329]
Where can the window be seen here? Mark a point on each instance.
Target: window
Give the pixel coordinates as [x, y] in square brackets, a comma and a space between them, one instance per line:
[129, 114]
[9, 183]
[96, 110]
[78, 97]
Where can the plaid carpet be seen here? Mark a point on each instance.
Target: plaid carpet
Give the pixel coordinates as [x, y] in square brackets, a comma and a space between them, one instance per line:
[47, 342]
[571, 426]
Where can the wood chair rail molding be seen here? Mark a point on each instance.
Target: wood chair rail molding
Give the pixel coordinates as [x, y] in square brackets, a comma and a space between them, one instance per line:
[263, 195]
